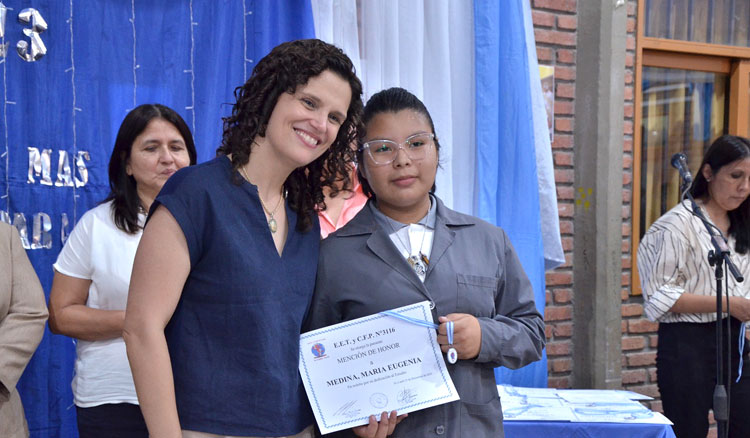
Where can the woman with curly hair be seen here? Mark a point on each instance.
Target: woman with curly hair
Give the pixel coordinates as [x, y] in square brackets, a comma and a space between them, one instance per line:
[226, 267]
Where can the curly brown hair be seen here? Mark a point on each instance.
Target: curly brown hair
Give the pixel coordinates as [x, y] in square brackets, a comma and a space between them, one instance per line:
[288, 66]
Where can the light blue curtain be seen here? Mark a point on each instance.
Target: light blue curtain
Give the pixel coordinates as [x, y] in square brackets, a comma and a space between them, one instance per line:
[506, 174]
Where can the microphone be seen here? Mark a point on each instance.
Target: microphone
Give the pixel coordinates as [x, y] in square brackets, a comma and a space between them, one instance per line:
[679, 162]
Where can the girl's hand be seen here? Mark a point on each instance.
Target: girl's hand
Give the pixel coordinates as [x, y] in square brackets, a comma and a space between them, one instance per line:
[379, 429]
[467, 335]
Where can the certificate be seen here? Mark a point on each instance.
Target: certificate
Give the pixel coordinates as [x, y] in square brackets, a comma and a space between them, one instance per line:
[373, 364]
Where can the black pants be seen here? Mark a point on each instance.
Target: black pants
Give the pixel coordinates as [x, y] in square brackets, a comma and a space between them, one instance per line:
[686, 373]
[122, 420]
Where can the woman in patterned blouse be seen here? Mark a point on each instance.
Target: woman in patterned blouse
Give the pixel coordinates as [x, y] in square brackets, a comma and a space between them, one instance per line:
[679, 290]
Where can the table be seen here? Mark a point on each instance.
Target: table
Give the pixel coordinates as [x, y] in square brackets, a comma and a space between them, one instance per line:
[558, 429]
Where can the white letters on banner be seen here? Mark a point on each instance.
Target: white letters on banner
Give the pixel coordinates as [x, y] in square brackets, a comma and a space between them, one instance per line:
[40, 166]
[34, 49]
[40, 162]
[41, 237]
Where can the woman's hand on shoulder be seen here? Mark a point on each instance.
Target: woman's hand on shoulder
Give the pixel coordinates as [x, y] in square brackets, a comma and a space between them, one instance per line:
[739, 307]
[379, 429]
[467, 335]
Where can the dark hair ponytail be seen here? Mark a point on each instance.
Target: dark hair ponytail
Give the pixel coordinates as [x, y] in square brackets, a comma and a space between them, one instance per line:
[391, 100]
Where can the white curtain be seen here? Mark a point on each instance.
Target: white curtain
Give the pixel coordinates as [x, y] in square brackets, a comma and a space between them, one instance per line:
[548, 213]
[336, 23]
[427, 48]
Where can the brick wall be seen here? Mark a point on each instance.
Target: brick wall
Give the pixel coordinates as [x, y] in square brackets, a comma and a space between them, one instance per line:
[555, 24]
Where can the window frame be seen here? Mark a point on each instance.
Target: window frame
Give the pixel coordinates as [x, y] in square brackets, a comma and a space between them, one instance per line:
[683, 55]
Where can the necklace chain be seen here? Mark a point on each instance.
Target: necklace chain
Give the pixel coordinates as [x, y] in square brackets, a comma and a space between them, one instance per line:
[272, 225]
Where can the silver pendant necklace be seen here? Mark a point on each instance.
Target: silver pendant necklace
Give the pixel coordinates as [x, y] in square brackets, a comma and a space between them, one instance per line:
[418, 262]
[272, 225]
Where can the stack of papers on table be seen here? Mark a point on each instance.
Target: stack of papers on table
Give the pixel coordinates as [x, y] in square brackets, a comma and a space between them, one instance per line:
[576, 405]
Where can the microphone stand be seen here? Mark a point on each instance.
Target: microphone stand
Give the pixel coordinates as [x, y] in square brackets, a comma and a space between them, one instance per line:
[717, 258]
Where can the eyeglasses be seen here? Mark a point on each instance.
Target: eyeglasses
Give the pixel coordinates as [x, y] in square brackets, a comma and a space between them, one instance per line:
[386, 151]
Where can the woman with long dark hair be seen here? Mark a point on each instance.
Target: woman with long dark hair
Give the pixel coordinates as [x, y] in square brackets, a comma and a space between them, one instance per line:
[679, 291]
[92, 272]
[226, 268]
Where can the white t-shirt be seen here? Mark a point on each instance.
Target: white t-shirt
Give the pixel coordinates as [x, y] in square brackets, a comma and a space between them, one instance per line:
[97, 250]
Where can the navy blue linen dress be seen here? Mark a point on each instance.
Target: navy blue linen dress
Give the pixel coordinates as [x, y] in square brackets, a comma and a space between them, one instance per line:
[234, 336]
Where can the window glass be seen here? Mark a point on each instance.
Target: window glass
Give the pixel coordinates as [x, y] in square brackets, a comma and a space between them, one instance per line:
[706, 21]
[683, 111]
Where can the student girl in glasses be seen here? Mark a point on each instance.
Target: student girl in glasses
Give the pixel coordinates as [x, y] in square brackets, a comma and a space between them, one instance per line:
[404, 247]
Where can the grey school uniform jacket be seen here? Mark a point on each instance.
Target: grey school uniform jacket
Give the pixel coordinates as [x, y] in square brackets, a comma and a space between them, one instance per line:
[473, 269]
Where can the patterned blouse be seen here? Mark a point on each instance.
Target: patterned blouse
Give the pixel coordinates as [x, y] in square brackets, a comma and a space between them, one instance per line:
[672, 259]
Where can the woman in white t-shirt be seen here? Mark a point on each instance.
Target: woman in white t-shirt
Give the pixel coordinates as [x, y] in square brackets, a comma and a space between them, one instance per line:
[92, 272]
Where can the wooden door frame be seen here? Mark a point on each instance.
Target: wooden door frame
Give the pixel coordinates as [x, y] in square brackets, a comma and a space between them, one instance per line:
[739, 101]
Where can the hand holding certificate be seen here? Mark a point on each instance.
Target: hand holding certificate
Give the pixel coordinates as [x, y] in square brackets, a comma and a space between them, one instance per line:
[374, 364]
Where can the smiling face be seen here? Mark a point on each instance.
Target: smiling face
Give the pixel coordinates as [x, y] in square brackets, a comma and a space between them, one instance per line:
[303, 125]
[730, 185]
[401, 187]
[157, 153]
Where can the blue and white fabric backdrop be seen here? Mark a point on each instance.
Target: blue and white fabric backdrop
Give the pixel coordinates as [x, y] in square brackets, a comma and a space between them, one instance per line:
[508, 192]
[102, 60]
[475, 68]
